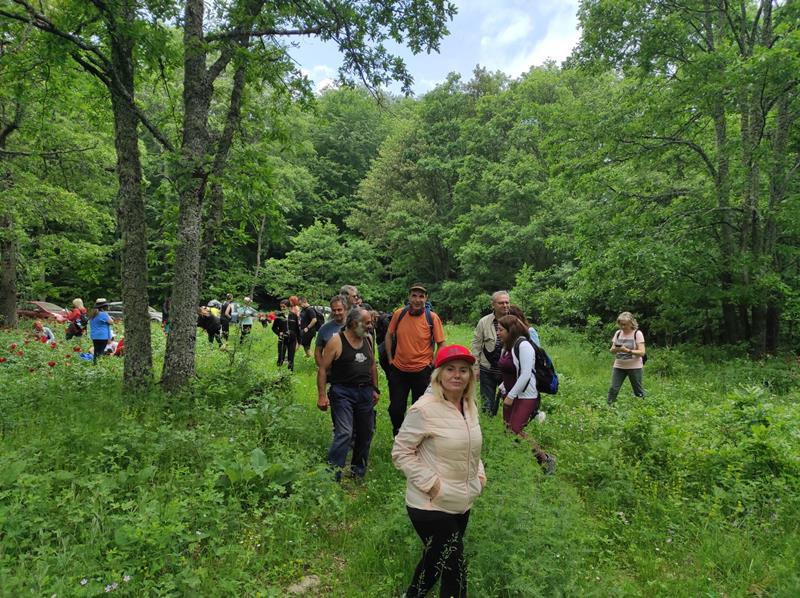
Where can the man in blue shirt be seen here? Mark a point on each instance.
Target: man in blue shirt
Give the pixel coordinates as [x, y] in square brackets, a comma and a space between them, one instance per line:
[331, 327]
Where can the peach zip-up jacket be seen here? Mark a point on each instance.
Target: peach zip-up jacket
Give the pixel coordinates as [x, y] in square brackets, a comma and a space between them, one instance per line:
[436, 442]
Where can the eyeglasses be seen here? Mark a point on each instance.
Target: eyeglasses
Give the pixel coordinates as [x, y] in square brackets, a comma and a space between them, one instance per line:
[503, 302]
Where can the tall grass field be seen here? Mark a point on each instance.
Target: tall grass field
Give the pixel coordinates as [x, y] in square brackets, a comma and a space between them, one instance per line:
[223, 491]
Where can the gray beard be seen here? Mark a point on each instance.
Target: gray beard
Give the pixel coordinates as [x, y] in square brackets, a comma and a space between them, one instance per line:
[416, 312]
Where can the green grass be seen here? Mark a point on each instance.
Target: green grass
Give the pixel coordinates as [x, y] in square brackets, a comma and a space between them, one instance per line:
[222, 490]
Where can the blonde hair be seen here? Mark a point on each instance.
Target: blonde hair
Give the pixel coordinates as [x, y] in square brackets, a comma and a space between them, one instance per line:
[469, 391]
[628, 317]
[77, 303]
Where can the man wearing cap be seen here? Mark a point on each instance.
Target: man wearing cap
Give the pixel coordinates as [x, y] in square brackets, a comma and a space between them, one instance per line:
[414, 332]
[486, 347]
[348, 363]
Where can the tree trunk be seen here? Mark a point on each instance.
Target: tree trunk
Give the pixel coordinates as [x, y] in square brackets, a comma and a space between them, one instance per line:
[259, 249]
[216, 209]
[8, 238]
[8, 272]
[138, 369]
[179, 361]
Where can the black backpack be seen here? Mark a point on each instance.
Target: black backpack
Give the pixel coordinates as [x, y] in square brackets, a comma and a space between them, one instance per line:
[543, 369]
[320, 318]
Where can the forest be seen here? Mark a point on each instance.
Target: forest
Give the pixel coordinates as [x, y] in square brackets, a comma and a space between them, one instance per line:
[164, 149]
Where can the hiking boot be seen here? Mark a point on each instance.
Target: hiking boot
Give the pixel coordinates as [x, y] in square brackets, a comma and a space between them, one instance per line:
[549, 464]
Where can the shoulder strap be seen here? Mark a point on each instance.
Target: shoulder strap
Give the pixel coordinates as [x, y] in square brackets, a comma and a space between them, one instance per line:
[429, 317]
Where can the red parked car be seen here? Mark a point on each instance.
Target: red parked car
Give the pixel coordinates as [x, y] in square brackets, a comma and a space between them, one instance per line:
[42, 310]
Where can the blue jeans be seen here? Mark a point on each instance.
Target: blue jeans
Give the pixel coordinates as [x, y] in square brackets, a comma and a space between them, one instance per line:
[489, 383]
[353, 419]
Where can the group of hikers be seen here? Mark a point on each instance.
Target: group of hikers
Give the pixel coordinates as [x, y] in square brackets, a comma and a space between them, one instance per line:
[295, 323]
[437, 440]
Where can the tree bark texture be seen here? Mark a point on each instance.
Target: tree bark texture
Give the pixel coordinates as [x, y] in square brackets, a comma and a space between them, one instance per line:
[216, 201]
[138, 370]
[8, 272]
[179, 361]
[8, 238]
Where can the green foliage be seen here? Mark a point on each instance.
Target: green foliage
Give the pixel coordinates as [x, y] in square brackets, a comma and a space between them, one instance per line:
[223, 490]
[320, 260]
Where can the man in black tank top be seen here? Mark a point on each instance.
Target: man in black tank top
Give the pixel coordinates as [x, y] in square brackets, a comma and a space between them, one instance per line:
[348, 364]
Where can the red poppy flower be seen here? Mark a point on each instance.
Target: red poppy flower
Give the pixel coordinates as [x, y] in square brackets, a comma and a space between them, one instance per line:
[53, 345]
[13, 346]
[43, 339]
[20, 353]
[2, 359]
[51, 363]
[76, 349]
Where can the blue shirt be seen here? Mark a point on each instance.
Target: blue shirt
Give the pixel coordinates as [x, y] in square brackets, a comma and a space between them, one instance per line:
[325, 333]
[100, 327]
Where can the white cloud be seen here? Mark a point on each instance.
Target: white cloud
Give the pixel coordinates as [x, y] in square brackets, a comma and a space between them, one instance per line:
[508, 50]
[519, 29]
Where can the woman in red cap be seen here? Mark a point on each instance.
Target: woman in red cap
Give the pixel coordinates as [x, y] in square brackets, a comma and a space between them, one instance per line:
[438, 448]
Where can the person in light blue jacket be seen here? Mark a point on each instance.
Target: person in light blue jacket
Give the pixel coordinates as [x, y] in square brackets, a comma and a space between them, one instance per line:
[246, 317]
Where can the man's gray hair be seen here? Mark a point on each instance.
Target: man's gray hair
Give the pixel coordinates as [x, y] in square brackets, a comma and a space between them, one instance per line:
[354, 317]
[338, 299]
[496, 294]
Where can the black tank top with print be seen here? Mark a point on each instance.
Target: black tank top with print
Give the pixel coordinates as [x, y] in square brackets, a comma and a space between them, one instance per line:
[354, 366]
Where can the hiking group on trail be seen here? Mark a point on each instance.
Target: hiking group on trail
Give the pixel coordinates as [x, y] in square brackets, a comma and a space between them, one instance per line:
[437, 440]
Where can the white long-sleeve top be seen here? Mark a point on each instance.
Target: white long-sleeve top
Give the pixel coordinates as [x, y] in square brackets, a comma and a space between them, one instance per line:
[525, 386]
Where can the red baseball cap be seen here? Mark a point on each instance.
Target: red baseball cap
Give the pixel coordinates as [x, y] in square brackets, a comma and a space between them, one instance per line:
[453, 353]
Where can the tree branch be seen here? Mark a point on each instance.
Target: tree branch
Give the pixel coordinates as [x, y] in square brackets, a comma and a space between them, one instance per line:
[40, 21]
[271, 32]
[46, 154]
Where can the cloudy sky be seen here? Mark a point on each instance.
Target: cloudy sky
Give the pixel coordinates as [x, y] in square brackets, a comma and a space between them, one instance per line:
[506, 35]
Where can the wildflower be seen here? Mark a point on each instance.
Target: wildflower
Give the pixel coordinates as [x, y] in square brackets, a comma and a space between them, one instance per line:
[13, 346]
[20, 353]
[76, 349]
[114, 585]
[84, 581]
[53, 345]
[51, 363]
[26, 341]
[2, 359]
[126, 578]
[43, 339]
[107, 589]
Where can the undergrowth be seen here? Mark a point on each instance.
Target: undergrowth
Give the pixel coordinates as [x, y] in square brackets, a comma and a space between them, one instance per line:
[222, 490]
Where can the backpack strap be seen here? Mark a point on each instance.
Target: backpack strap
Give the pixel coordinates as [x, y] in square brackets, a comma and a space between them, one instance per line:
[428, 317]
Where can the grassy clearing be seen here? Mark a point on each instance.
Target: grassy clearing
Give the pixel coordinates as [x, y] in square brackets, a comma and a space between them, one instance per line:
[222, 490]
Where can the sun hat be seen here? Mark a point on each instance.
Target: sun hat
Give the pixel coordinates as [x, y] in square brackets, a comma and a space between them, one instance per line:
[101, 302]
[453, 353]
